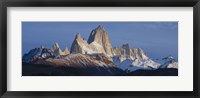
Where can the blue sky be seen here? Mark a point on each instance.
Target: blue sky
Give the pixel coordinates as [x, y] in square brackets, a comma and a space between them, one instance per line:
[157, 39]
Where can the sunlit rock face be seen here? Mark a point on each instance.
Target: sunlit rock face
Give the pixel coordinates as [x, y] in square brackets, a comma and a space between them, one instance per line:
[57, 51]
[97, 53]
[65, 51]
[98, 42]
[78, 44]
[100, 36]
[132, 59]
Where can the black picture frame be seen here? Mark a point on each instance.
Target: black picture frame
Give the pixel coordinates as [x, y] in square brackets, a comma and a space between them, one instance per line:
[98, 3]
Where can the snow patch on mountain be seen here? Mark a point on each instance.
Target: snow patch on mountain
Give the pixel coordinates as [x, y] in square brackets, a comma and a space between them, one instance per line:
[168, 62]
[98, 42]
[97, 52]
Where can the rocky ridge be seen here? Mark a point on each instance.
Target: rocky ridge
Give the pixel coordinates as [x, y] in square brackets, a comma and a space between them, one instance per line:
[98, 42]
[97, 52]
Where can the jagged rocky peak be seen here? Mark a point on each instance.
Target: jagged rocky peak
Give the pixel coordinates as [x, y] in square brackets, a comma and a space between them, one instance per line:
[139, 53]
[168, 58]
[125, 46]
[143, 54]
[78, 44]
[168, 62]
[117, 51]
[126, 52]
[55, 46]
[78, 36]
[65, 51]
[81, 46]
[97, 34]
[126, 49]
[34, 54]
[41, 47]
[57, 51]
[100, 36]
[100, 27]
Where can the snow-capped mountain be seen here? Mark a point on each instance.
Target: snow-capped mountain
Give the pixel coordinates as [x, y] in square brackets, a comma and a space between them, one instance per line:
[97, 53]
[100, 36]
[40, 52]
[57, 51]
[133, 59]
[98, 42]
[82, 64]
[168, 62]
[78, 60]
[44, 53]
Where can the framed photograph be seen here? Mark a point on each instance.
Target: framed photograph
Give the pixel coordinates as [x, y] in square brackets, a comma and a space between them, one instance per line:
[104, 48]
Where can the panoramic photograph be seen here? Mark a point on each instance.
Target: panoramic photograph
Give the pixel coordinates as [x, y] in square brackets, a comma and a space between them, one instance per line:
[99, 48]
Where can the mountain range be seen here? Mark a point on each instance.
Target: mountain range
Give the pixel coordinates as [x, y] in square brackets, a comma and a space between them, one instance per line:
[94, 56]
